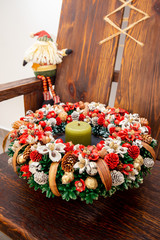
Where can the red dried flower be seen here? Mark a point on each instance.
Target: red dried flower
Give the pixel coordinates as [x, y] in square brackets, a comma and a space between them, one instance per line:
[69, 119]
[112, 130]
[127, 168]
[101, 121]
[80, 185]
[48, 129]
[66, 109]
[112, 160]
[35, 156]
[25, 170]
[68, 147]
[59, 121]
[81, 117]
[51, 114]
[39, 115]
[133, 152]
[149, 129]
[94, 156]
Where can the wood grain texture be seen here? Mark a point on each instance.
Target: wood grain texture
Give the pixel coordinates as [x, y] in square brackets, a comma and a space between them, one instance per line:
[87, 73]
[33, 100]
[26, 214]
[20, 87]
[139, 83]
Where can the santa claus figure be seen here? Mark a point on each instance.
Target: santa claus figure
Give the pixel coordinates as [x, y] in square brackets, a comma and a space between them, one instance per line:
[44, 55]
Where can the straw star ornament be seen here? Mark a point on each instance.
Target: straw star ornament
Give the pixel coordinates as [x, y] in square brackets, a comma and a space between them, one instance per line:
[124, 31]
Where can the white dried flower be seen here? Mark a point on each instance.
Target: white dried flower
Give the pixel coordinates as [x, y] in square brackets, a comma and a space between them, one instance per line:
[137, 143]
[34, 167]
[59, 147]
[110, 117]
[87, 119]
[92, 106]
[117, 178]
[144, 130]
[22, 128]
[131, 175]
[41, 178]
[43, 150]
[75, 116]
[15, 146]
[91, 168]
[31, 140]
[94, 121]
[55, 156]
[29, 112]
[114, 146]
[148, 162]
[52, 122]
[81, 164]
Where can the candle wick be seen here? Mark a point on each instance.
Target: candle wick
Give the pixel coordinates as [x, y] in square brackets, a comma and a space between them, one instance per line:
[79, 124]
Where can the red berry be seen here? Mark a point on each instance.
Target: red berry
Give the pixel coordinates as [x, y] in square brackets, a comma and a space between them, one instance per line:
[116, 122]
[42, 123]
[127, 145]
[59, 140]
[99, 146]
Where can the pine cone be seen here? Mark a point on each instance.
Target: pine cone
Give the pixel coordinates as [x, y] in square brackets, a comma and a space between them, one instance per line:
[133, 151]
[147, 138]
[117, 178]
[26, 153]
[144, 121]
[17, 124]
[68, 162]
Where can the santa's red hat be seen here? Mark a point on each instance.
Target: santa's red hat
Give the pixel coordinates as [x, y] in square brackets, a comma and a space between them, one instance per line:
[42, 36]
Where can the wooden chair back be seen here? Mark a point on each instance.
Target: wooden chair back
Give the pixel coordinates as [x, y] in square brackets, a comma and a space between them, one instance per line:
[87, 74]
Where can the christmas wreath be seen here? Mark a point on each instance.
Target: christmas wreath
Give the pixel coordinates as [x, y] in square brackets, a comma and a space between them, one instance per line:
[120, 159]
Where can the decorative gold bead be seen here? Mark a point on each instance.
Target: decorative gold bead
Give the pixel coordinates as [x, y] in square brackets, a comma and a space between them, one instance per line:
[91, 183]
[67, 177]
[20, 159]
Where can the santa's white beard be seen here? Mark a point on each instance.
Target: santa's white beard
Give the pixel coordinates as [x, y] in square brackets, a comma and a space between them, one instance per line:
[43, 53]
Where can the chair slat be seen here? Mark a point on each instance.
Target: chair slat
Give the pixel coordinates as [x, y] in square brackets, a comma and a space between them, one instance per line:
[87, 73]
[139, 83]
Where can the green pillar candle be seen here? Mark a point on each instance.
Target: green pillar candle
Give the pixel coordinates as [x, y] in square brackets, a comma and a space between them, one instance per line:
[78, 132]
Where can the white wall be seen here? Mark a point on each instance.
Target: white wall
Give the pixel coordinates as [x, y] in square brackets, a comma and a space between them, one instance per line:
[18, 18]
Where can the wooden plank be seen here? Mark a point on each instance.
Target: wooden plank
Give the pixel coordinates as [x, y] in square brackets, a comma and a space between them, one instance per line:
[26, 214]
[20, 87]
[139, 84]
[33, 101]
[87, 73]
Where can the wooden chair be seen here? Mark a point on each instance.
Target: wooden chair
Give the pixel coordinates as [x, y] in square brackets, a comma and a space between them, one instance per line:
[87, 75]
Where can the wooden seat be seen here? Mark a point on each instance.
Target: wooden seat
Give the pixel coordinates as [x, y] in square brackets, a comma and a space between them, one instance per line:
[87, 74]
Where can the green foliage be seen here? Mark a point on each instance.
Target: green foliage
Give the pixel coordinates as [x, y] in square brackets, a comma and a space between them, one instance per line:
[58, 129]
[145, 153]
[100, 131]
[45, 162]
[153, 143]
[126, 159]
[44, 188]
